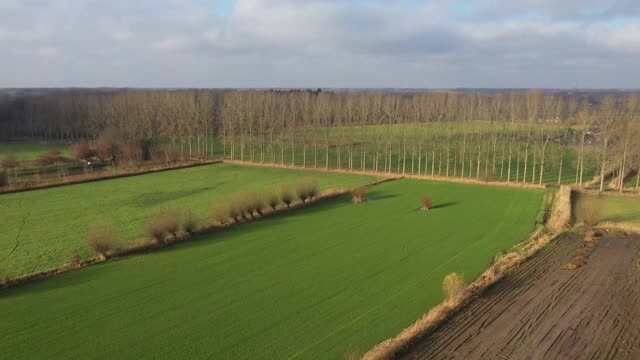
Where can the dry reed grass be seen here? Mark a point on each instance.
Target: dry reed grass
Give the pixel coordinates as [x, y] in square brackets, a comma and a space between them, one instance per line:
[561, 214]
[452, 285]
[631, 228]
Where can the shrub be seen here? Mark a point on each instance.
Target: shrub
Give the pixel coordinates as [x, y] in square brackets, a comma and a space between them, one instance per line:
[287, 197]
[49, 158]
[9, 162]
[131, 151]
[273, 200]
[76, 260]
[452, 285]
[172, 221]
[235, 213]
[162, 224]
[4, 179]
[82, 151]
[101, 239]
[242, 203]
[105, 152]
[307, 189]
[359, 195]
[426, 203]
[257, 203]
[220, 213]
[189, 221]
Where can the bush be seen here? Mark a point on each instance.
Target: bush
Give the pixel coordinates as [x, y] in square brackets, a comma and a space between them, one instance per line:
[4, 179]
[286, 196]
[242, 203]
[49, 158]
[359, 195]
[162, 224]
[235, 213]
[256, 203]
[9, 162]
[453, 284]
[131, 151]
[189, 222]
[307, 189]
[105, 152]
[273, 200]
[426, 203]
[220, 213]
[82, 151]
[102, 239]
[76, 260]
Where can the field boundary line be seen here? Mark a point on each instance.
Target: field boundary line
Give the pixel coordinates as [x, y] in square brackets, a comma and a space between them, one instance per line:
[107, 175]
[393, 175]
[436, 316]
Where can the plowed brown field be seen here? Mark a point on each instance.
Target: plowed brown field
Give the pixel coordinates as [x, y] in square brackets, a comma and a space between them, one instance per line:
[542, 311]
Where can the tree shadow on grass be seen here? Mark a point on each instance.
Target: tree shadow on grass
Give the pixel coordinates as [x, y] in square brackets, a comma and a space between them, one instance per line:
[381, 197]
[58, 281]
[151, 199]
[444, 205]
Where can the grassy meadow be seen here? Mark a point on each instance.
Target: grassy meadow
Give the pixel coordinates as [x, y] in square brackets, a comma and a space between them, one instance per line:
[30, 151]
[43, 229]
[605, 208]
[319, 282]
[427, 164]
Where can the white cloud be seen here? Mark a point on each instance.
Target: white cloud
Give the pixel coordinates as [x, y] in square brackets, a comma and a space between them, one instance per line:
[442, 43]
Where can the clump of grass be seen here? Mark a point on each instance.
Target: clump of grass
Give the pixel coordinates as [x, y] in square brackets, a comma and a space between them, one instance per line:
[101, 239]
[453, 284]
[426, 203]
[359, 195]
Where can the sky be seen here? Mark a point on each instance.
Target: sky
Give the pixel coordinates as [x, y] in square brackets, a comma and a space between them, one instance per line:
[320, 43]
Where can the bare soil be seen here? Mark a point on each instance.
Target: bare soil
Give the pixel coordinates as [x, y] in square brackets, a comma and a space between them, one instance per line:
[542, 311]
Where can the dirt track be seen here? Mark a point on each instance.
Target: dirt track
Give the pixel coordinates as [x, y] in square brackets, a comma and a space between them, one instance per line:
[543, 311]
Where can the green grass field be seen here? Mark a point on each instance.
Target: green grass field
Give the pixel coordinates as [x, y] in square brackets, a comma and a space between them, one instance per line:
[312, 284]
[30, 151]
[318, 157]
[608, 208]
[42, 229]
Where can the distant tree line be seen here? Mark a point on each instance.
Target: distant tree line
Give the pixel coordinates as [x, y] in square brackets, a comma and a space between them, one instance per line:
[519, 136]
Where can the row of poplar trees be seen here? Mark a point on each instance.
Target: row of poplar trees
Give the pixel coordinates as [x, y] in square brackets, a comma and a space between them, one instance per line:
[520, 136]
